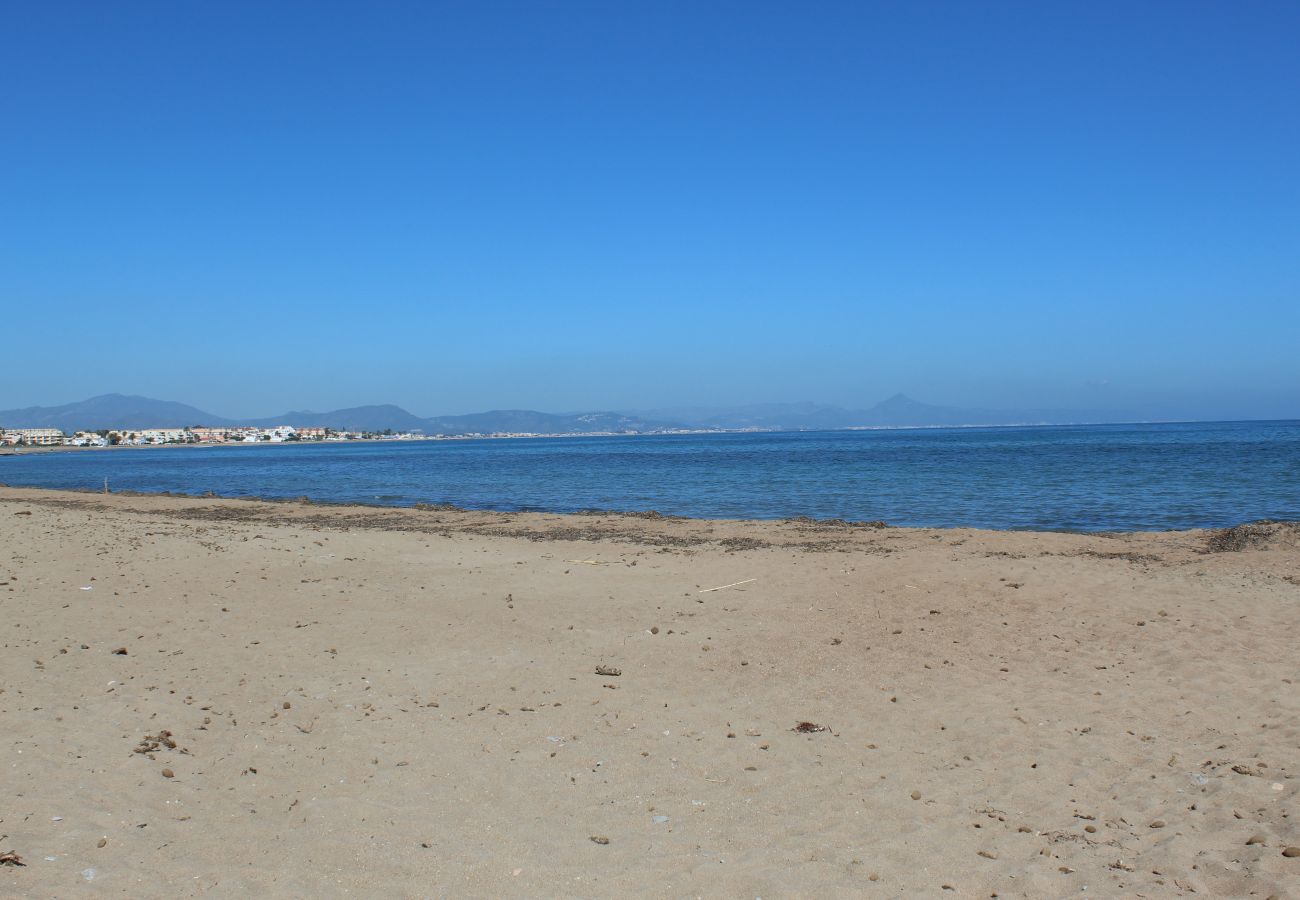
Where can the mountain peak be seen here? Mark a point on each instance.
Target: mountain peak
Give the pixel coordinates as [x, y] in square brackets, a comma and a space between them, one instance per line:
[900, 401]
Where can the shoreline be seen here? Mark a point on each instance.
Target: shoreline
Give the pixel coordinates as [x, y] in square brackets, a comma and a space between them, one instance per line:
[580, 517]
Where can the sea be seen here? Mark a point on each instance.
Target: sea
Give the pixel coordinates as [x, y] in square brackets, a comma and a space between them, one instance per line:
[1076, 478]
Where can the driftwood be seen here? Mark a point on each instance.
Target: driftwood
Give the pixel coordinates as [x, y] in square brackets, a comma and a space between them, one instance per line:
[724, 586]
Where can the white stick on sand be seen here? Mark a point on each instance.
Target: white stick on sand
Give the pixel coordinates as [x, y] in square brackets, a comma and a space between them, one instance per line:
[724, 586]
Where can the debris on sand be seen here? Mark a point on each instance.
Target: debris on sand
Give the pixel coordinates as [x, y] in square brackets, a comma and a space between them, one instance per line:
[152, 743]
[724, 586]
[10, 858]
[609, 671]
[599, 839]
[1248, 536]
[810, 728]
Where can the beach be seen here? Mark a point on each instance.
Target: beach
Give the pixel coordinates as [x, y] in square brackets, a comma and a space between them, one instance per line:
[229, 697]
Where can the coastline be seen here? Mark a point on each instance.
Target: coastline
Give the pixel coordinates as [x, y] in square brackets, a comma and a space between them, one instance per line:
[587, 524]
[14, 451]
[59, 448]
[380, 699]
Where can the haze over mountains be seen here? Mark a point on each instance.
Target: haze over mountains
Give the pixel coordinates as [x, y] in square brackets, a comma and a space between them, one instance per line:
[133, 412]
[898, 411]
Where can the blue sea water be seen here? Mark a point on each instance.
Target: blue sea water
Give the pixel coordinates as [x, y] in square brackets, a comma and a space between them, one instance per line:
[1078, 478]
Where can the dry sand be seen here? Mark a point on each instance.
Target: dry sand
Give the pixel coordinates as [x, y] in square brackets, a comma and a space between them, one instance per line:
[405, 703]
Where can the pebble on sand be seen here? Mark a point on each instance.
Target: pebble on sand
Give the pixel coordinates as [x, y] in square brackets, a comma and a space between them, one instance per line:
[916, 795]
[599, 839]
[168, 773]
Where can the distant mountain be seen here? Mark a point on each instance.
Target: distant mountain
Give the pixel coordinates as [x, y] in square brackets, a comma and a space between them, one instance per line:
[523, 421]
[110, 411]
[356, 418]
[120, 411]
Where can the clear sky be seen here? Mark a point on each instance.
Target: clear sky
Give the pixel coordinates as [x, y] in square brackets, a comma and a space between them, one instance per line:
[257, 206]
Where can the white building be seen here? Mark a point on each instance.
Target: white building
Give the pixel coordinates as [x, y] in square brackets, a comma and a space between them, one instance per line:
[163, 436]
[40, 437]
[86, 439]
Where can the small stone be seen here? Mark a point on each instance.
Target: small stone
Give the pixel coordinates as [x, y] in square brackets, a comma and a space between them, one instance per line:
[1291, 852]
[285, 705]
[1025, 829]
[120, 651]
[102, 843]
[1158, 823]
[988, 854]
[916, 795]
[1091, 829]
[168, 773]
[874, 876]
[654, 629]
[599, 839]
[1256, 839]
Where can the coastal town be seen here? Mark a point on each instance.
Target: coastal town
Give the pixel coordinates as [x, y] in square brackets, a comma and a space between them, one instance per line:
[143, 437]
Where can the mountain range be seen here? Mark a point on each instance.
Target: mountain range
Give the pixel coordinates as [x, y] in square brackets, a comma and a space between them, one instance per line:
[132, 412]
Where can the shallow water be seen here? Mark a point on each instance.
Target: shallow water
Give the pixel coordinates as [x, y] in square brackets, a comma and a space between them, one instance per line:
[1079, 478]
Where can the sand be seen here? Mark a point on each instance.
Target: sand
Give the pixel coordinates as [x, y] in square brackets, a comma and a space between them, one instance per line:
[405, 703]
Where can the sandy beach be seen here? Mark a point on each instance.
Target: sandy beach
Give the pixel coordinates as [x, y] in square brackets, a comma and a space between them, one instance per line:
[229, 698]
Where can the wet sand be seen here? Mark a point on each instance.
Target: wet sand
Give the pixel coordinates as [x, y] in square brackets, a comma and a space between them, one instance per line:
[382, 702]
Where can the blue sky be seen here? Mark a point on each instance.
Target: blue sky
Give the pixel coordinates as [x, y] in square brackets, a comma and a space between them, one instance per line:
[457, 206]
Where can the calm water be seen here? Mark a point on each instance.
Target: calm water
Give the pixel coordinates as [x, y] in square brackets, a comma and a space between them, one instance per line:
[1062, 478]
